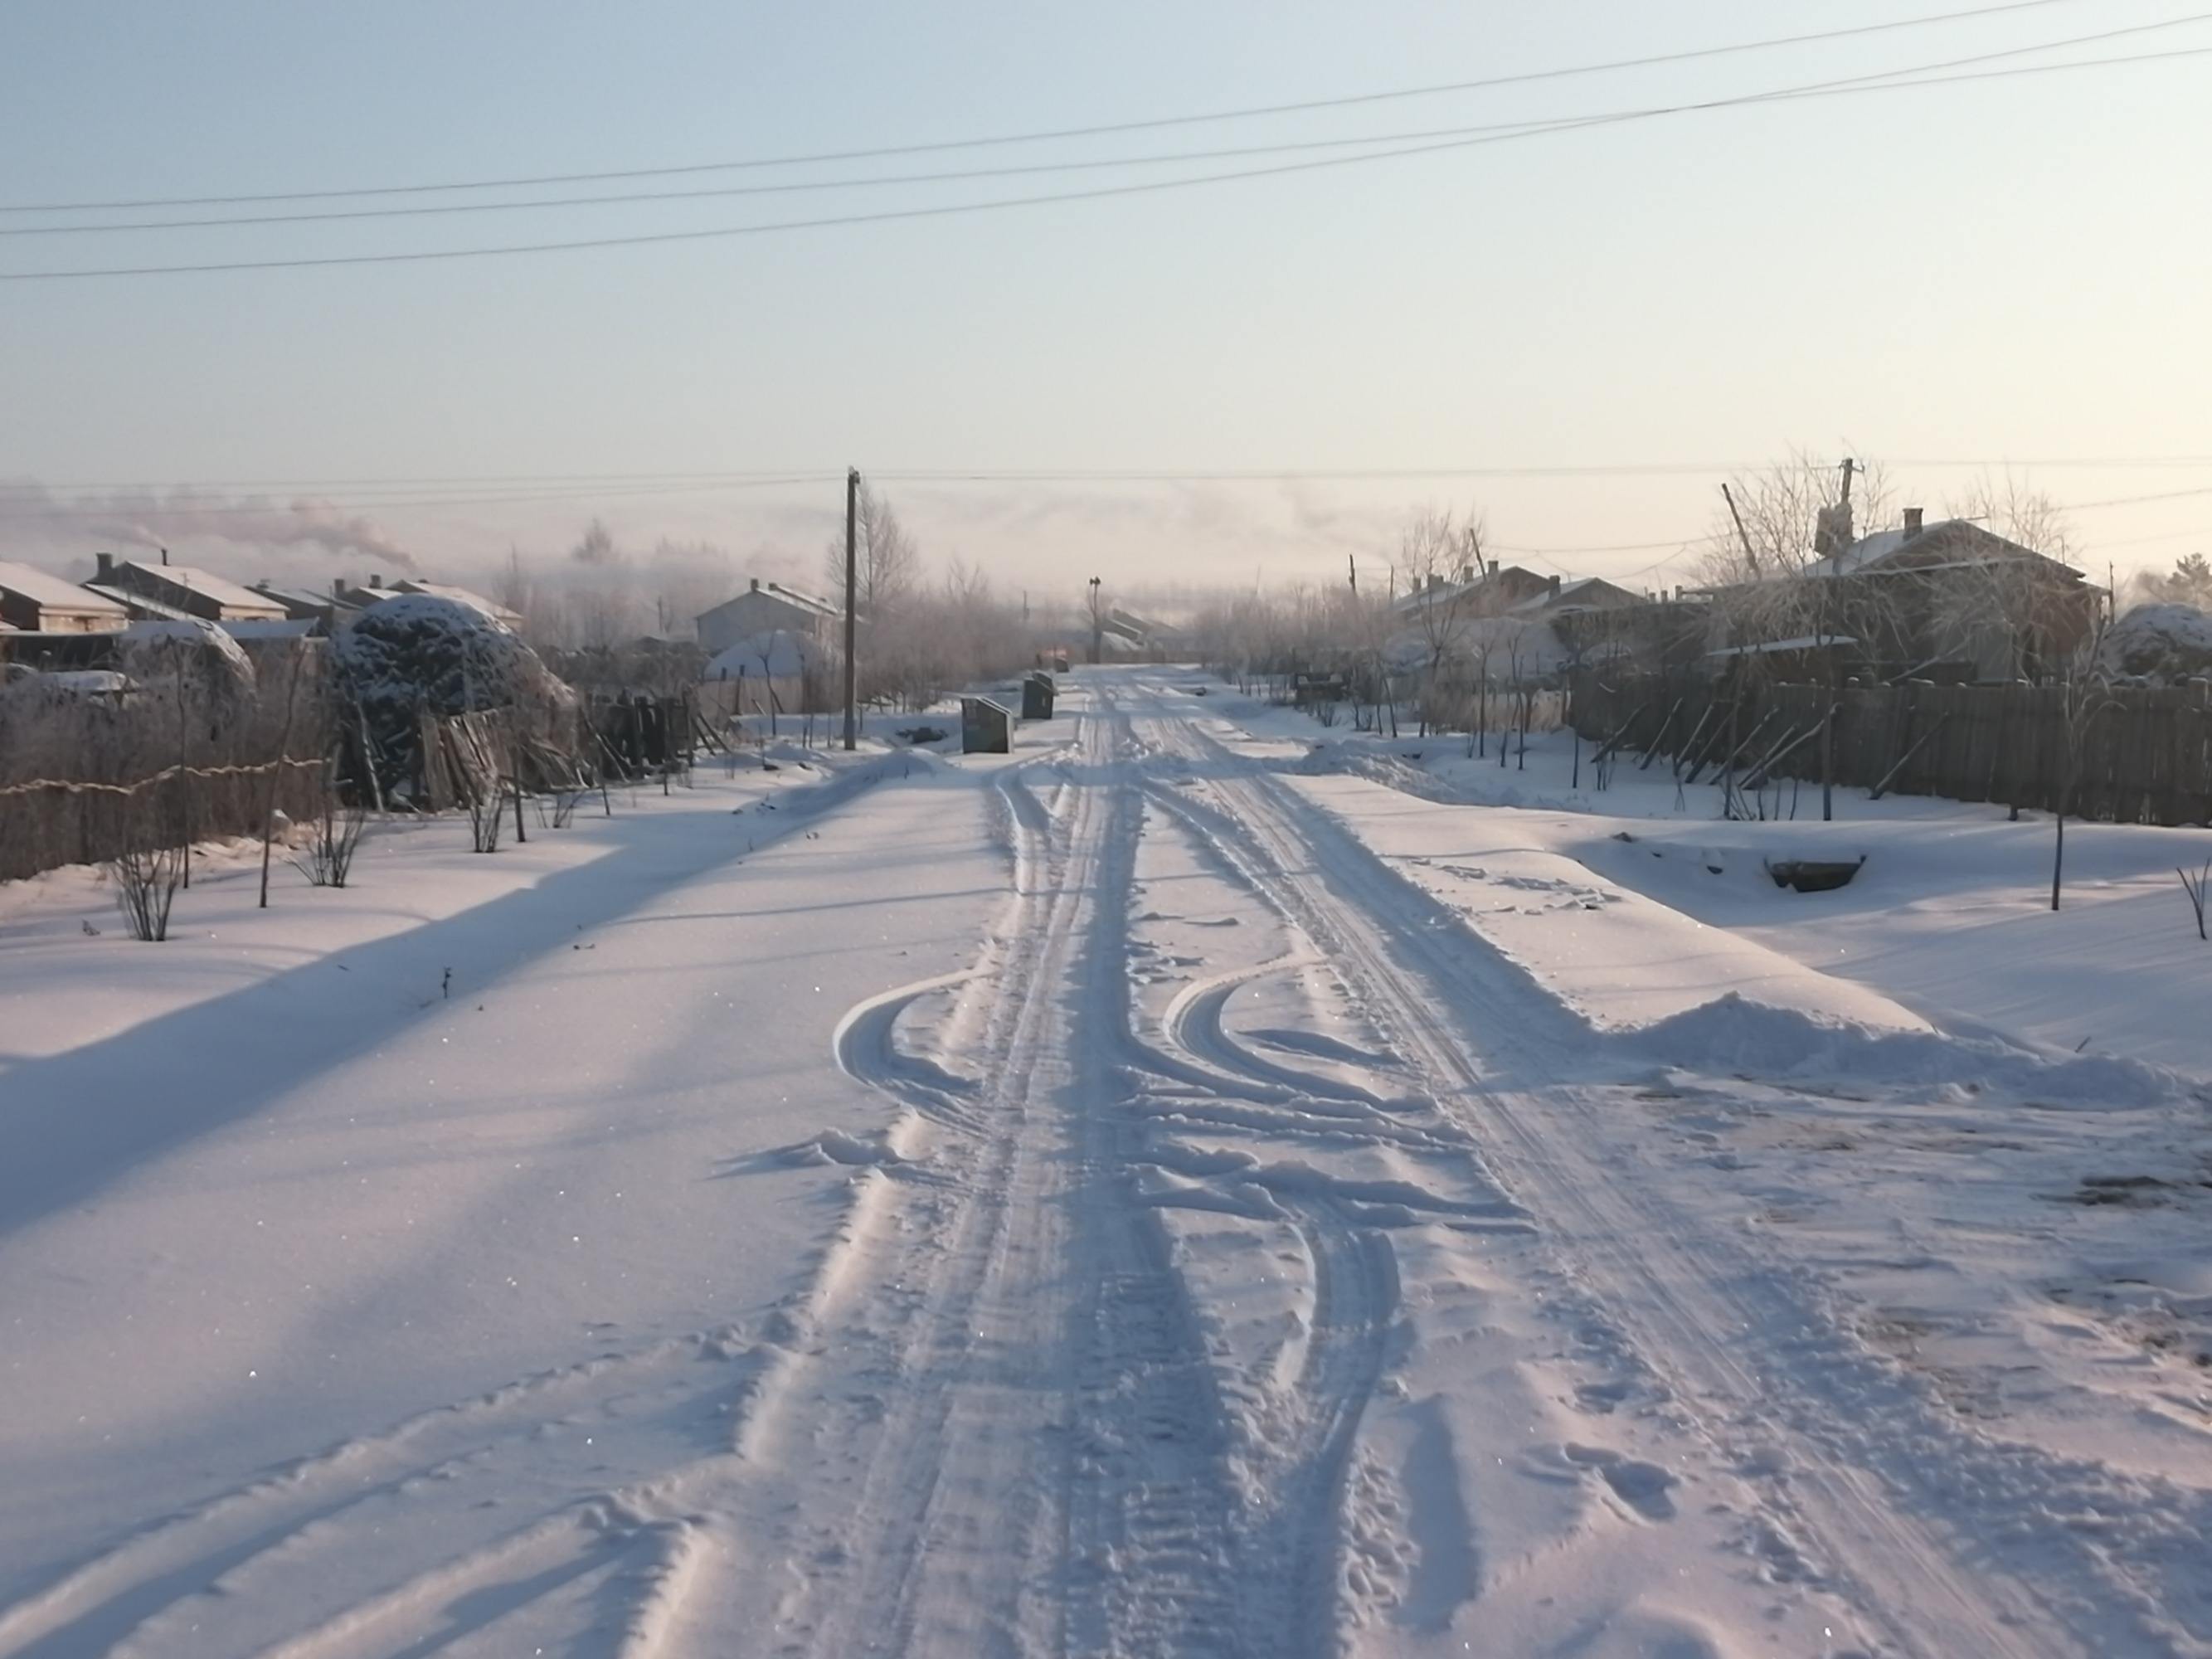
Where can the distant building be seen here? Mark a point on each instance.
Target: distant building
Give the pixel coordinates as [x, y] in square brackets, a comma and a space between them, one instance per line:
[306, 604]
[1485, 591]
[1947, 600]
[468, 596]
[34, 602]
[767, 607]
[1563, 597]
[171, 589]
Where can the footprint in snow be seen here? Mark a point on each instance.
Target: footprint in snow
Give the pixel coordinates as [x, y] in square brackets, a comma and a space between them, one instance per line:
[1640, 1484]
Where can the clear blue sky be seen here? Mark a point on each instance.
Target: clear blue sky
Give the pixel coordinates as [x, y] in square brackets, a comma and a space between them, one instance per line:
[2012, 269]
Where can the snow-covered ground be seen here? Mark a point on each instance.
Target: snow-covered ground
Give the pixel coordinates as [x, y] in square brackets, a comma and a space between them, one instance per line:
[1202, 1183]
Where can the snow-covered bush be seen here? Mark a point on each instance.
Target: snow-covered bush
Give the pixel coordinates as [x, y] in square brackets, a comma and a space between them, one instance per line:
[422, 654]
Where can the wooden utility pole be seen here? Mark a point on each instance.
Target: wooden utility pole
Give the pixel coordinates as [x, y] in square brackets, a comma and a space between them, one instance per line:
[1751, 559]
[1352, 562]
[1827, 630]
[852, 601]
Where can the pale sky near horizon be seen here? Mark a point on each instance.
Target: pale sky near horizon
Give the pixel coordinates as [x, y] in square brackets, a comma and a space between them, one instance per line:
[2001, 271]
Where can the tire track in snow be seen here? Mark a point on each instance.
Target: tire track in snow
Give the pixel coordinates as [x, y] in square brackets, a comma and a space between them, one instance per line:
[151, 1581]
[1896, 1568]
[408, 1530]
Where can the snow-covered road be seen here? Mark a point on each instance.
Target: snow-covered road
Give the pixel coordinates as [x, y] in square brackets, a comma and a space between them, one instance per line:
[1109, 1200]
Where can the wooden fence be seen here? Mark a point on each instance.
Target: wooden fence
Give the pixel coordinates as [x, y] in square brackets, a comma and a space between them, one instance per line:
[2145, 754]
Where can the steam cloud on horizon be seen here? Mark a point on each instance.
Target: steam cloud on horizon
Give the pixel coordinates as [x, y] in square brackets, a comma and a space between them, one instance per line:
[186, 517]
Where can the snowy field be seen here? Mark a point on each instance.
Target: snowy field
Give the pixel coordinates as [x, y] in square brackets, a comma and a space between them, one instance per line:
[1201, 1184]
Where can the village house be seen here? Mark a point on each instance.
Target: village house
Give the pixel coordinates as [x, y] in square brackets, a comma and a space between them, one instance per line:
[767, 607]
[34, 602]
[1491, 590]
[167, 593]
[1948, 600]
[325, 610]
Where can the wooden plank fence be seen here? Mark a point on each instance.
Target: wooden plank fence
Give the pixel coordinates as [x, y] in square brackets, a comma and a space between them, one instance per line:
[2146, 752]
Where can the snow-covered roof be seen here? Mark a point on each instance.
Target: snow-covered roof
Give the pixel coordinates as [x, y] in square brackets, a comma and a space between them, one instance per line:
[51, 592]
[269, 628]
[475, 601]
[302, 599]
[1874, 553]
[1578, 591]
[1803, 642]
[139, 604]
[230, 595]
[792, 595]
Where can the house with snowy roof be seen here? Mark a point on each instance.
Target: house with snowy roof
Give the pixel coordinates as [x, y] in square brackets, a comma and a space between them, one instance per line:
[33, 601]
[169, 592]
[767, 607]
[1948, 600]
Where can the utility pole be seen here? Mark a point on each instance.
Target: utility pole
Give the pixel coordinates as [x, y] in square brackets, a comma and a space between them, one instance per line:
[1097, 625]
[1827, 631]
[1352, 563]
[1750, 559]
[852, 601]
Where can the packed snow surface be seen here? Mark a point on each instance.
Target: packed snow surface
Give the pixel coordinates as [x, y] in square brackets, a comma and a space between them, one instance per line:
[1202, 1183]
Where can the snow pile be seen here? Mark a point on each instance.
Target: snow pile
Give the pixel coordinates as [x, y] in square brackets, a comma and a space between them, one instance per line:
[199, 651]
[2165, 642]
[1733, 1034]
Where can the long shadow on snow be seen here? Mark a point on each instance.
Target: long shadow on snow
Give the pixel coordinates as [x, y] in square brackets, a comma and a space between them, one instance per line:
[79, 1121]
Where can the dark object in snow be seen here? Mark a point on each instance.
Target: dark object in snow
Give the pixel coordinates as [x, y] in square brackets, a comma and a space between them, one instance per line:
[2130, 1192]
[919, 734]
[1622, 835]
[1813, 875]
[770, 766]
[986, 727]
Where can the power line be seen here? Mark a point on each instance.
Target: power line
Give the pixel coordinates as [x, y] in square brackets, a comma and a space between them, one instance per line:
[1028, 169]
[1102, 192]
[713, 478]
[1099, 129]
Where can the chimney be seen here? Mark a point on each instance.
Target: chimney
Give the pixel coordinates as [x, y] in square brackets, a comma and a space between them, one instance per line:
[1493, 567]
[756, 584]
[1911, 522]
[1553, 587]
[1436, 580]
[337, 587]
[375, 580]
[105, 572]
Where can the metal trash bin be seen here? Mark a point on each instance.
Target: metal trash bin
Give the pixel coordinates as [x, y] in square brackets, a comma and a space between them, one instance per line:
[986, 727]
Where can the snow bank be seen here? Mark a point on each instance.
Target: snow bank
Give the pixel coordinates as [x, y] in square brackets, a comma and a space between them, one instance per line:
[1733, 1034]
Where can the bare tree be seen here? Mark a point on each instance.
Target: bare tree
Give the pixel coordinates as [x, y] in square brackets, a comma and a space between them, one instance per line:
[1993, 611]
[1777, 562]
[2084, 692]
[886, 561]
[1439, 559]
[597, 547]
[2189, 583]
